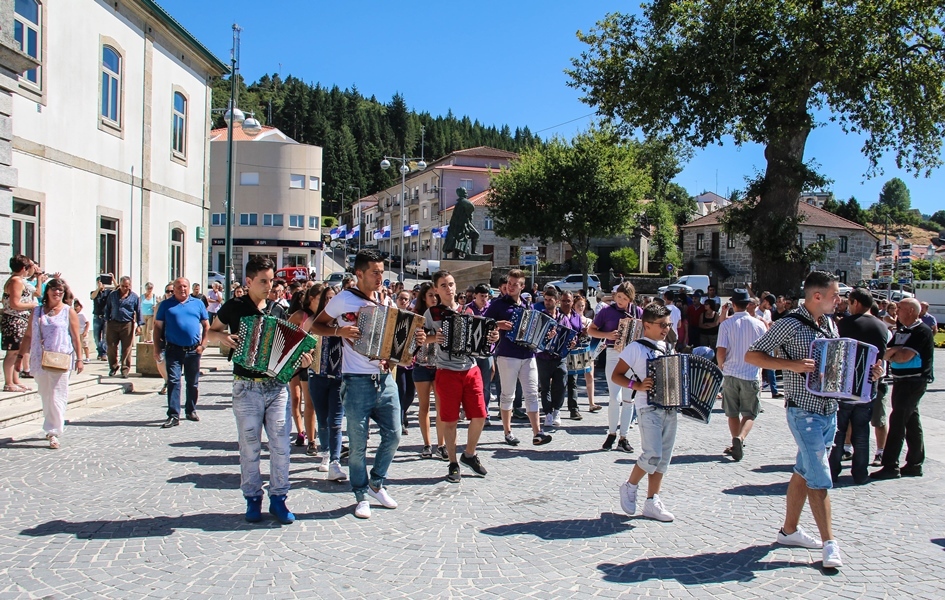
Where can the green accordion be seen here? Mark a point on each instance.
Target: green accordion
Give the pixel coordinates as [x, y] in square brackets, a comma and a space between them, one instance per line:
[271, 346]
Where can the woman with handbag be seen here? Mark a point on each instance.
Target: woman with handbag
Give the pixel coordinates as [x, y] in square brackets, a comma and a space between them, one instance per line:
[52, 337]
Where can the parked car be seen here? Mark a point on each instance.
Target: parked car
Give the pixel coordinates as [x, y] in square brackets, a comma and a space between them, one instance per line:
[428, 267]
[688, 284]
[349, 261]
[292, 273]
[395, 260]
[575, 283]
[215, 277]
[336, 278]
[411, 267]
[845, 290]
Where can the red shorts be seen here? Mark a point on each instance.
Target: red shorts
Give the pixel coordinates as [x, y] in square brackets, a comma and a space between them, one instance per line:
[455, 388]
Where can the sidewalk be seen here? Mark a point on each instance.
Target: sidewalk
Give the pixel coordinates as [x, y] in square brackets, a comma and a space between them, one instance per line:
[128, 510]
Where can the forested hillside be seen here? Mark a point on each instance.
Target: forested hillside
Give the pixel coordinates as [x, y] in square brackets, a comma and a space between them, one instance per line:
[356, 131]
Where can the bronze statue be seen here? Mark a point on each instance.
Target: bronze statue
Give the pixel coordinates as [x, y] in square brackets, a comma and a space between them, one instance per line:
[462, 237]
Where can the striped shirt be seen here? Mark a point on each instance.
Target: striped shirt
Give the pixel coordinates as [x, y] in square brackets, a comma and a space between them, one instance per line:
[793, 338]
[736, 335]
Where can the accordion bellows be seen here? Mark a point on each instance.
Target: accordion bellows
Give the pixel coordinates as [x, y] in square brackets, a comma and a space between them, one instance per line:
[387, 333]
[271, 346]
[683, 382]
[628, 330]
[328, 351]
[539, 332]
[466, 335]
[842, 369]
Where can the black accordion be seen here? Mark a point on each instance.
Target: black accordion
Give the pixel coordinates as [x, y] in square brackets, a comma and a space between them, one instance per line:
[539, 332]
[466, 335]
[684, 382]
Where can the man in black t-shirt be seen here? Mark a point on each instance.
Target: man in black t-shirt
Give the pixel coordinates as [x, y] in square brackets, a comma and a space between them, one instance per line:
[910, 355]
[861, 326]
[258, 400]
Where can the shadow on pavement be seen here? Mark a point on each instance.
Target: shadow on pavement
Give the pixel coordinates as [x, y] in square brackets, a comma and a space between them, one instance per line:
[150, 526]
[939, 542]
[208, 445]
[774, 469]
[210, 461]
[149, 423]
[565, 529]
[30, 442]
[768, 489]
[540, 455]
[210, 481]
[711, 567]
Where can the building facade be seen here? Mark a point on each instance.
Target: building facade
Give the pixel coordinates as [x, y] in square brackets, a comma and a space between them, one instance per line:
[709, 250]
[110, 141]
[277, 200]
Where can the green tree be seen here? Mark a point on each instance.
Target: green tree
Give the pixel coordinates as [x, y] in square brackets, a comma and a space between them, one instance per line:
[895, 196]
[852, 211]
[938, 217]
[570, 192]
[625, 260]
[764, 71]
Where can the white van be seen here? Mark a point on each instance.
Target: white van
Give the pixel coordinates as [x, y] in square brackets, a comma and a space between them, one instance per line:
[688, 284]
[428, 267]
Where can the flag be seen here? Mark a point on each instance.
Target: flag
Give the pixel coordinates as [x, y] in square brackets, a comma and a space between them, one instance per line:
[444, 230]
[407, 231]
[333, 233]
[355, 232]
[385, 232]
[377, 234]
[414, 230]
[435, 233]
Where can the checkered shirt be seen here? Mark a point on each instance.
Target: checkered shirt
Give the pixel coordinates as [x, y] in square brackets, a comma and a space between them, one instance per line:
[793, 338]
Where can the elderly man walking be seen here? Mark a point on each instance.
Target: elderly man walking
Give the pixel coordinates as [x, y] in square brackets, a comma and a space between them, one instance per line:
[180, 335]
[123, 320]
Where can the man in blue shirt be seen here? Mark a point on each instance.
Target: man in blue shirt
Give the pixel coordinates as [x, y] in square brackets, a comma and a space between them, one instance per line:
[123, 321]
[180, 336]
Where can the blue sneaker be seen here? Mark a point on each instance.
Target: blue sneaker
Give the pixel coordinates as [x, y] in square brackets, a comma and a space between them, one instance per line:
[253, 509]
[280, 511]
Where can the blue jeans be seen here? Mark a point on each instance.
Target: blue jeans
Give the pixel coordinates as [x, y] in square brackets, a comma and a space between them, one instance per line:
[814, 434]
[98, 334]
[326, 398]
[772, 379]
[258, 404]
[657, 438]
[857, 416]
[367, 397]
[189, 361]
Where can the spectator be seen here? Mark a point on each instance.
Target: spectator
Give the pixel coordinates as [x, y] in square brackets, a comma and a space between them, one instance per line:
[123, 321]
[17, 304]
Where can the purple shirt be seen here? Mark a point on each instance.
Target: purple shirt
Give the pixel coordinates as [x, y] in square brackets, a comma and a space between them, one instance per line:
[609, 317]
[473, 309]
[501, 309]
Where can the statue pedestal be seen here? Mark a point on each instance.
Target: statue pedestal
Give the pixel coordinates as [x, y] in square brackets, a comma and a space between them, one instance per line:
[468, 272]
[144, 360]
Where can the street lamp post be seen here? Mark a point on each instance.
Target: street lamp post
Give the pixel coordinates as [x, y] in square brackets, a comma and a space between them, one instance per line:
[360, 233]
[405, 167]
[233, 116]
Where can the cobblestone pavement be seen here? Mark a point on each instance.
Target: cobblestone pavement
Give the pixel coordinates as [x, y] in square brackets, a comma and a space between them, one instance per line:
[128, 510]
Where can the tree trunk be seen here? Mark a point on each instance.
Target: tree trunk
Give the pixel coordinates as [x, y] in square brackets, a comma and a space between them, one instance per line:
[775, 230]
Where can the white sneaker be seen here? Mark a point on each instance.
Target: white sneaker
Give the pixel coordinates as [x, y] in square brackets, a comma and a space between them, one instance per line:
[323, 465]
[363, 510]
[335, 472]
[556, 418]
[549, 419]
[628, 498]
[382, 496]
[832, 559]
[801, 539]
[653, 509]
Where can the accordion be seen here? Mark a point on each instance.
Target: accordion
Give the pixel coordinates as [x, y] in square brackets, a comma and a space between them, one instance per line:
[466, 335]
[842, 369]
[628, 330]
[387, 333]
[426, 355]
[271, 346]
[327, 361]
[683, 382]
[539, 332]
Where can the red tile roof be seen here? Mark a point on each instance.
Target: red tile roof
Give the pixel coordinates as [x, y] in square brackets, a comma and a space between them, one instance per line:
[813, 217]
[219, 135]
[481, 200]
[485, 151]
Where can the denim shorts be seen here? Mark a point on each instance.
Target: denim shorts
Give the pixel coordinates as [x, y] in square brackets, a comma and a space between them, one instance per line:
[423, 374]
[814, 434]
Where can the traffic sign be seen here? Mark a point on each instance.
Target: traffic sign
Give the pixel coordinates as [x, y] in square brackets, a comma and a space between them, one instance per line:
[905, 247]
[887, 252]
[529, 260]
[885, 279]
[670, 267]
[903, 281]
[886, 246]
[905, 253]
[529, 249]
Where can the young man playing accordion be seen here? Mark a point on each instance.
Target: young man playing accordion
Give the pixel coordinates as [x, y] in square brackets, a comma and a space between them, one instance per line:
[657, 425]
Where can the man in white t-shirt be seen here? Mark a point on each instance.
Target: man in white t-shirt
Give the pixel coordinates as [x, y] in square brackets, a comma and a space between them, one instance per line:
[368, 391]
[675, 316]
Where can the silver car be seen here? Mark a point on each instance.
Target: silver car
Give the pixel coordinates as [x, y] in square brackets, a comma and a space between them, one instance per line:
[575, 283]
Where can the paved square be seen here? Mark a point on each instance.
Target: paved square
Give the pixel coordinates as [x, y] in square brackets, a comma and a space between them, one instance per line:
[128, 510]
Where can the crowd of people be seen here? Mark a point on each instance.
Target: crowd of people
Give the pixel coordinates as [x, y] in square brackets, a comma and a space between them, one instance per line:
[751, 338]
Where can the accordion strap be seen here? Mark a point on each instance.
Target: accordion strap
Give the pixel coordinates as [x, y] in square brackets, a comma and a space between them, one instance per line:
[357, 292]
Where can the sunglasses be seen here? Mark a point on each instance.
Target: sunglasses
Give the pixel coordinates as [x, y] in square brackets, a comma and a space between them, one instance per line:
[661, 325]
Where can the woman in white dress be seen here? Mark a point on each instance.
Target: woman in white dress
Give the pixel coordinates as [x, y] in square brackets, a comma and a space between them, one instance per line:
[53, 327]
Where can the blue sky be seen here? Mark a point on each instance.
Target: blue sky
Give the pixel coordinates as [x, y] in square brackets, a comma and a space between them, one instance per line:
[498, 62]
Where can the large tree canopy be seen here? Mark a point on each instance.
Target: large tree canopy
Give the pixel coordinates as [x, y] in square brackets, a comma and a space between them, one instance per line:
[760, 71]
[570, 193]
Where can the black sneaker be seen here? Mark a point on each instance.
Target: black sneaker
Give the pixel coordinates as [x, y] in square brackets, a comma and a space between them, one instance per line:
[624, 445]
[441, 453]
[886, 473]
[511, 440]
[427, 452]
[576, 415]
[911, 471]
[519, 414]
[846, 456]
[540, 439]
[738, 448]
[111, 372]
[473, 463]
[453, 475]
[609, 442]
[170, 422]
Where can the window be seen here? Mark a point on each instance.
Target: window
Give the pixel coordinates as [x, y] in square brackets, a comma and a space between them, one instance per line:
[314, 184]
[218, 219]
[313, 223]
[800, 239]
[272, 220]
[249, 178]
[296, 182]
[108, 245]
[821, 237]
[297, 221]
[488, 249]
[249, 219]
[844, 241]
[513, 255]
[221, 262]
[177, 254]
[179, 126]
[426, 212]
[295, 260]
[111, 85]
[842, 275]
[700, 241]
[467, 184]
[730, 243]
[26, 227]
[26, 30]
[488, 224]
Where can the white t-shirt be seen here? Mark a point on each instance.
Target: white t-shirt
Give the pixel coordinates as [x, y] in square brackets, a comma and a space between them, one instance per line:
[674, 316]
[344, 307]
[83, 321]
[636, 355]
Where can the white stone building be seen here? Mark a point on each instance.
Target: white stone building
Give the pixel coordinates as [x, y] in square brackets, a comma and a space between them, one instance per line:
[110, 142]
